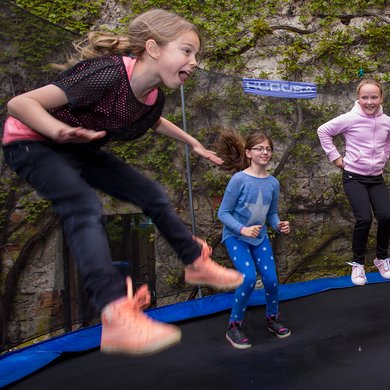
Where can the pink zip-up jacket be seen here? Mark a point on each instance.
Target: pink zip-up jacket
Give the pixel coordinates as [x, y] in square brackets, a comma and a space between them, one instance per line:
[367, 140]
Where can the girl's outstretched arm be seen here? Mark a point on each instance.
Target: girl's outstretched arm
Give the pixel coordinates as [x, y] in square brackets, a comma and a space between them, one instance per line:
[31, 109]
[165, 127]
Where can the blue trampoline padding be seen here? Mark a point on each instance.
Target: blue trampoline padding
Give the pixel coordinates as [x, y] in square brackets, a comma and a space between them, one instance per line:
[17, 364]
[220, 302]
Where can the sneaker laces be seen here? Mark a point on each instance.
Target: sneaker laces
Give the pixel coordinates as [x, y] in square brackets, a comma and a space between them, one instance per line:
[206, 249]
[273, 321]
[133, 312]
[272, 318]
[131, 306]
[386, 264]
[236, 328]
[357, 269]
[206, 253]
[235, 324]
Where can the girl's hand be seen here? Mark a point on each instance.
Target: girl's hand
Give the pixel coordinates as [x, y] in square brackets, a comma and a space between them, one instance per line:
[76, 135]
[208, 154]
[251, 231]
[339, 162]
[284, 227]
[165, 127]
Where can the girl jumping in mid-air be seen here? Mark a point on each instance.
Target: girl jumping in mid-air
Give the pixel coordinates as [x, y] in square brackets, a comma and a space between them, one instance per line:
[52, 139]
[366, 131]
[249, 203]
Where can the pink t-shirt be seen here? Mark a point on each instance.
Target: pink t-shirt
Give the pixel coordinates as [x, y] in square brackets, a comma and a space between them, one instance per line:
[14, 130]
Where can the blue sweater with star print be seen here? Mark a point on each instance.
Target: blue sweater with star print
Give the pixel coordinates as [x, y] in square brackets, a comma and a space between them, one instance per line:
[248, 201]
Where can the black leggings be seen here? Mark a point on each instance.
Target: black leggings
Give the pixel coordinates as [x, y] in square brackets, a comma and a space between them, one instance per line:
[68, 176]
[367, 195]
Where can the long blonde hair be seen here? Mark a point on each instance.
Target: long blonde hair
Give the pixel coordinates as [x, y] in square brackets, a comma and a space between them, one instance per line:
[157, 24]
[231, 145]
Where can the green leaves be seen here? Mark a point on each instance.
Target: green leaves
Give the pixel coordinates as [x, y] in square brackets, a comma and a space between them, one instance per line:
[72, 15]
[327, 42]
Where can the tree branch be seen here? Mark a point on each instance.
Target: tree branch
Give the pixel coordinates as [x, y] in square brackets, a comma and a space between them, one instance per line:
[12, 278]
[339, 233]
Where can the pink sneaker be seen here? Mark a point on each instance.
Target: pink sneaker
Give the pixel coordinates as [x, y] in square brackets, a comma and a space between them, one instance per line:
[358, 275]
[383, 267]
[205, 271]
[126, 329]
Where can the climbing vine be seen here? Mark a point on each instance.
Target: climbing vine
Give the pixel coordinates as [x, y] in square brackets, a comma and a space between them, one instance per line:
[324, 41]
[73, 15]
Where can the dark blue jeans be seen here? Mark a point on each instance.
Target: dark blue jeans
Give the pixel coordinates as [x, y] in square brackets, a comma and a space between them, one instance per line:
[68, 176]
[367, 195]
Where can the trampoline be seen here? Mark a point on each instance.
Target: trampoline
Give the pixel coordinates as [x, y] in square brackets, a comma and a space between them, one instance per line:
[339, 340]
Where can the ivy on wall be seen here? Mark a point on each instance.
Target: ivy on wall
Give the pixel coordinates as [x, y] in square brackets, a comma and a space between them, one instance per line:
[323, 44]
[318, 40]
[73, 15]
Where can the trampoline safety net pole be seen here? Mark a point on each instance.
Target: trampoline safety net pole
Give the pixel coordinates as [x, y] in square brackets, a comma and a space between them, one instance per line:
[188, 169]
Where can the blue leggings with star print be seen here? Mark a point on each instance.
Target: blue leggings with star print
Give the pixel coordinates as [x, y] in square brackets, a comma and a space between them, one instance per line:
[250, 260]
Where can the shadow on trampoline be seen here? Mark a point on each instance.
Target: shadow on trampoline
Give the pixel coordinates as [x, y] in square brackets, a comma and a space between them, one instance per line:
[339, 340]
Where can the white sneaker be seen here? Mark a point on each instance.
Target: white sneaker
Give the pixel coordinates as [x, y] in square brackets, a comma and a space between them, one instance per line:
[358, 275]
[383, 267]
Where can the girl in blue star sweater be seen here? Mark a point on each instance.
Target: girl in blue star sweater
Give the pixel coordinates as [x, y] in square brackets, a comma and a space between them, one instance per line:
[250, 203]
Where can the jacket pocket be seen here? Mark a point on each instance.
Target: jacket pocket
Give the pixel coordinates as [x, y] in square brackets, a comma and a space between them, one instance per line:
[352, 156]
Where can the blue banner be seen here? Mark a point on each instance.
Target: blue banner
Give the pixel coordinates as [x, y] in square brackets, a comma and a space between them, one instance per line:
[279, 88]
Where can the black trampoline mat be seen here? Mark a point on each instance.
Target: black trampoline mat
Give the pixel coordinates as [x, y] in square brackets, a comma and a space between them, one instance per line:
[339, 340]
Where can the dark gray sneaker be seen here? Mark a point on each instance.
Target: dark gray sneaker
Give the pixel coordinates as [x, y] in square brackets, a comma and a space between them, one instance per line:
[237, 337]
[274, 326]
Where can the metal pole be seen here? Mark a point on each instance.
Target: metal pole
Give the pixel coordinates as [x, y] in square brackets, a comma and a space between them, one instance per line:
[188, 168]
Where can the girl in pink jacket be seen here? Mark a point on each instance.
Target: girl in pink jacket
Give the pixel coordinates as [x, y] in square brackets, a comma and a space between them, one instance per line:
[366, 131]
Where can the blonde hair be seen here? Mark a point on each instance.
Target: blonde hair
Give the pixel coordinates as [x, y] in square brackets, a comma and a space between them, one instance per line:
[157, 24]
[231, 145]
[369, 81]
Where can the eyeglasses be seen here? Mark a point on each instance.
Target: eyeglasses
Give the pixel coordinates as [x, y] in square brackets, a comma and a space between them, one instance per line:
[261, 149]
